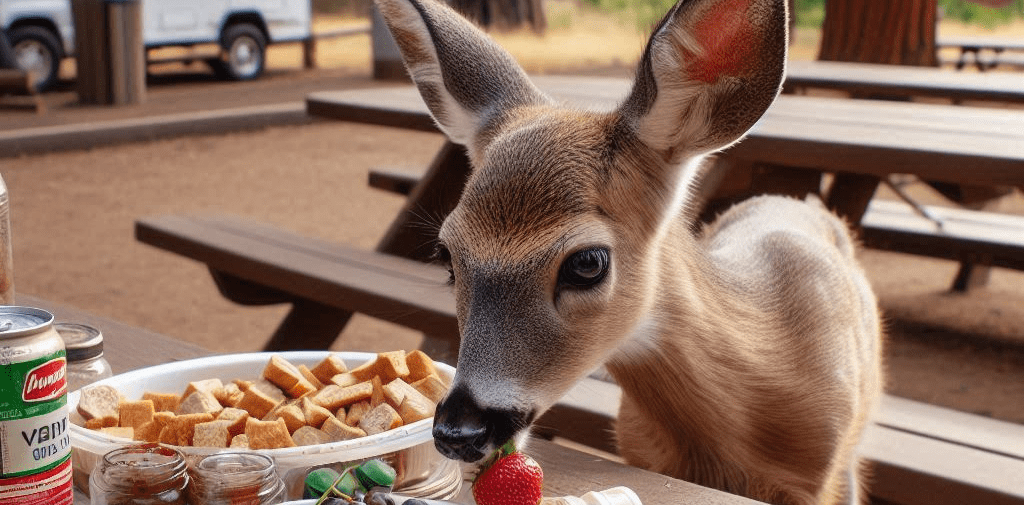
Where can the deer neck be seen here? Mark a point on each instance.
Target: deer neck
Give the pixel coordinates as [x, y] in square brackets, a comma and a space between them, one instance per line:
[696, 357]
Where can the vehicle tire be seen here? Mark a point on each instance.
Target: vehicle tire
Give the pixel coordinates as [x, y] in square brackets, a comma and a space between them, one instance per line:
[37, 50]
[245, 52]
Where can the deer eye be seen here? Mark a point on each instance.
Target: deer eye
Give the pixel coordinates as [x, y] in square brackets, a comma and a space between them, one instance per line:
[584, 268]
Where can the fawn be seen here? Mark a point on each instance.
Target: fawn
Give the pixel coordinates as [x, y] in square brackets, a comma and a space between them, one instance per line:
[748, 353]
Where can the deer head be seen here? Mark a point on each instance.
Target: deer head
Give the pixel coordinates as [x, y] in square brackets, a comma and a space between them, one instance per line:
[554, 247]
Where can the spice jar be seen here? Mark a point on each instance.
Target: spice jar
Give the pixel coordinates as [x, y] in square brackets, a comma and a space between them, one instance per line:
[146, 474]
[86, 363]
[236, 478]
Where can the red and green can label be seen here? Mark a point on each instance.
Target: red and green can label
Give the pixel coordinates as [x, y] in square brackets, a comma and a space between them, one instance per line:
[35, 444]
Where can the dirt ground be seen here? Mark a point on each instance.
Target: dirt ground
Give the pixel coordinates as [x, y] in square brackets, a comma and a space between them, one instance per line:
[73, 213]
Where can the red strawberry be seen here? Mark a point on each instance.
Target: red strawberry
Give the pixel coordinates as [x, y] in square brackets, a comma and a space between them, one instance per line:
[513, 478]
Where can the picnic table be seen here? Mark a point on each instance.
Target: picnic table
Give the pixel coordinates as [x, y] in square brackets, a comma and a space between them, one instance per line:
[566, 471]
[971, 49]
[866, 80]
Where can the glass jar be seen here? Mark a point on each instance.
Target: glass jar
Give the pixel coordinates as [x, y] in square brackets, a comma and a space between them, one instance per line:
[84, 345]
[236, 478]
[145, 474]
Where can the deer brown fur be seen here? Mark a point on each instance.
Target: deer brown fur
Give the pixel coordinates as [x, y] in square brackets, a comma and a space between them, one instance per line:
[747, 352]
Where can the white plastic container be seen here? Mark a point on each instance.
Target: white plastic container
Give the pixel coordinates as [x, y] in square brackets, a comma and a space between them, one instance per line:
[620, 495]
[422, 470]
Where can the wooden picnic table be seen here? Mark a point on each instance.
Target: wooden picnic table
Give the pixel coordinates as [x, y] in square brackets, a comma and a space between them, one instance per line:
[974, 46]
[566, 471]
[865, 79]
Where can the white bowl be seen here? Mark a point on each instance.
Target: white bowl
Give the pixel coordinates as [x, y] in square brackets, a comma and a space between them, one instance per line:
[410, 448]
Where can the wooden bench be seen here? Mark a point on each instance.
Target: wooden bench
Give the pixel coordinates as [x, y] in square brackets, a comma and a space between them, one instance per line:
[18, 84]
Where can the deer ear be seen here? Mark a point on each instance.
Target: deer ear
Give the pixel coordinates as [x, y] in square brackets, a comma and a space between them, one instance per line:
[465, 78]
[710, 70]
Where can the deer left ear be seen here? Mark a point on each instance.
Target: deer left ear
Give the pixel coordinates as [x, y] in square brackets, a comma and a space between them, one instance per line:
[710, 70]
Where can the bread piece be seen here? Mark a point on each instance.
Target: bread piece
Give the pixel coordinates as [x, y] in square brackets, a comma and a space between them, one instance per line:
[257, 403]
[315, 415]
[414, 409]
[308, 374]
[432, 387]
[339, 431]
[388, 365]
[333, 397]
[267, 388]
[239, 442]
[207, 385]
[119, 432]
[287, 377]
[420, 365]
[397, 391]
[345, 380]
[236, 419]
[199, 401]
[268, 434]
[180, 430]
[212, 434]
[163, 402]
[229, 395]
[380, 419]
[102, 422]
[356, 411]
[377, 397]
[291, 414]
[150, 432]
[135, 414]
[308, 435]
[329, 367]
[99, 402]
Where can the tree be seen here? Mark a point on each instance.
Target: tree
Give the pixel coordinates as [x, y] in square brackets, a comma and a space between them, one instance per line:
[504, 14]
[895, 32]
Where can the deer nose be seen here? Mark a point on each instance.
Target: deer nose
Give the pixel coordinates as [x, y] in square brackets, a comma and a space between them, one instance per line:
[466, 431]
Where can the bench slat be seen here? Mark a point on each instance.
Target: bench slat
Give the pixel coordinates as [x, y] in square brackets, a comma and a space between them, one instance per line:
[396, 289]
[969, 430]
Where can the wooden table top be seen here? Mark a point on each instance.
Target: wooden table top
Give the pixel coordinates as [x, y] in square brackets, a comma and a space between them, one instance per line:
[566, 471]
[906, 81]
[981, 146]
[965, 42]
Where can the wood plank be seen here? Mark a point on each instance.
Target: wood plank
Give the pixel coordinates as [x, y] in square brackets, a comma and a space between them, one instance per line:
[576, 474]
[911, 469]
[968, 430]
[862, 78]
[977, 43]
[983, 238]
[400, 290]
[869, 137]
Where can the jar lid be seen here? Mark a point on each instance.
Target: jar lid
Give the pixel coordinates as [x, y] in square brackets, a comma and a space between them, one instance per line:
[81, 341]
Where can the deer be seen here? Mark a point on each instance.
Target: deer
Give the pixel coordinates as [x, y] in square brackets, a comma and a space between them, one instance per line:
[747, 349]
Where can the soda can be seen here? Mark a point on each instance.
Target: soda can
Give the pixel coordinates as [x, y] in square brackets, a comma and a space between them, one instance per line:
[35, 444]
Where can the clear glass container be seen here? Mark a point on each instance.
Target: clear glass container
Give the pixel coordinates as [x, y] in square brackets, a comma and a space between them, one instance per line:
[145, 474]
[84, 345]
[236, 478]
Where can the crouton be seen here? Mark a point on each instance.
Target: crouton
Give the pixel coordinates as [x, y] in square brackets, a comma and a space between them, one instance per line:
[135, 414]
[308, 435]
[212, 434]
[380, 419]
[432, 387]
[268, 434]
[329, 367]
[199, 401]
[339, 431]
[163, 402]
[99, 402]
[332, 397]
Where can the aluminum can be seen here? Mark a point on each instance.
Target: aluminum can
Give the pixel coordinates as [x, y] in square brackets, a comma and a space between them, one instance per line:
[35, 444]
[6, 254]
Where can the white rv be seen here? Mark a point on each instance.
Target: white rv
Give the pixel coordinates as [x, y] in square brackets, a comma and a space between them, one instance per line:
[42, 32]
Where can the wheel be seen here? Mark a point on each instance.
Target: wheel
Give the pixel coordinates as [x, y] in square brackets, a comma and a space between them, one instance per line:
[37, 50]
[245, 52]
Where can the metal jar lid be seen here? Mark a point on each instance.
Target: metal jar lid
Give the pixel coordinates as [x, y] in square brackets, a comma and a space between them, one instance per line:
[18, 321]
[81, 341]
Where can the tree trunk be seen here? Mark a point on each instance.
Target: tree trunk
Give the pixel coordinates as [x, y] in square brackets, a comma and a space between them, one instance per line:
[504, 14]
[894, 32]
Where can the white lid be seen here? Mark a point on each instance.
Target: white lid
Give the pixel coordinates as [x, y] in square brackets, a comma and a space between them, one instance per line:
[620, 495]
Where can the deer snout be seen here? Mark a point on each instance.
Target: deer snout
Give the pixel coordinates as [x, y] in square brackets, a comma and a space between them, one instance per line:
[465, 430]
